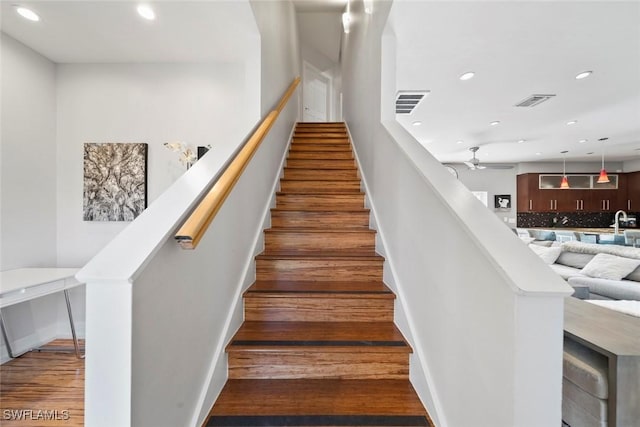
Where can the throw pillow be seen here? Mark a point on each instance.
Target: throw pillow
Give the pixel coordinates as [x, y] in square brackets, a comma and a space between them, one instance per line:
[548, 255]
[605, 266]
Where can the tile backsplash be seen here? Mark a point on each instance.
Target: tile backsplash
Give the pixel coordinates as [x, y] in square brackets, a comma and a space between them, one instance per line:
[568, 219]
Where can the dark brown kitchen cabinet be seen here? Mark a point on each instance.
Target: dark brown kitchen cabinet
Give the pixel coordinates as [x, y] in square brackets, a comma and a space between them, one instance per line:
[541, 193]
[633, 192]
[528, 193]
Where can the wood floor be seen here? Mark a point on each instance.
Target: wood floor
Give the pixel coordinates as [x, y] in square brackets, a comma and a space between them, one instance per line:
[42, 389]
[318, 345]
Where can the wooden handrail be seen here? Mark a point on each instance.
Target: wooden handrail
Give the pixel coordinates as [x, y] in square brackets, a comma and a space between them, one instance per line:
[189, 235]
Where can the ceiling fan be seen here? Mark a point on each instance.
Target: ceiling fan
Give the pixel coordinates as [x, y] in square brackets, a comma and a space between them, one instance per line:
[474, 162]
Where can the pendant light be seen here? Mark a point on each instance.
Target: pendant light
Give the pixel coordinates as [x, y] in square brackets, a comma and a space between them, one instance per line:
[603, 178]
[564, 184]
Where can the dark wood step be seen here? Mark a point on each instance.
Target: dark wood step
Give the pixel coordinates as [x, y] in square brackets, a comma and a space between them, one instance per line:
[321, 164]
[347, 350]
[301, 402]
[320, 124]
[333, 155]
[318, 302]
[318, 186]
[320, 174]
[342, 266]
[328, 134]
[319, 202]
[314, 240]
[319, 145]
[307, 219]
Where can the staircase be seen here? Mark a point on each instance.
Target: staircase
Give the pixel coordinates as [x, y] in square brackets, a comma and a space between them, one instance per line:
[318, 346]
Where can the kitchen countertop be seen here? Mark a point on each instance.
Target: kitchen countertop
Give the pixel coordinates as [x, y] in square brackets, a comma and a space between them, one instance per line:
[583, 230]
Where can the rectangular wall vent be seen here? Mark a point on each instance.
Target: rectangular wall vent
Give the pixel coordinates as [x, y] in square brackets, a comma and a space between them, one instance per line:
[407, 101]
[534, 100]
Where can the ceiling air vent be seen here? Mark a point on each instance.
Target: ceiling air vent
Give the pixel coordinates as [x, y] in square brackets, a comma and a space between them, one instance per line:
[534, 100]
[407, 101]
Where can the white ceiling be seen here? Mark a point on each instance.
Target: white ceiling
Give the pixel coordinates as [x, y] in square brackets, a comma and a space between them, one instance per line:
[322, 31]
[518, 49]
[112, 31]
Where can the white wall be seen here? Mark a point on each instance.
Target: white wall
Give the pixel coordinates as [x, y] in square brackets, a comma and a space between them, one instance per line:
[483, 315]
[572, 167]
[494, 182]
[632, 165]
[280, 50]
[28, 190]
[199, 104]
[28, 217]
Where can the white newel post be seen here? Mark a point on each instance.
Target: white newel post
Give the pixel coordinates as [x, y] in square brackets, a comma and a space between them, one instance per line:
[108, 353]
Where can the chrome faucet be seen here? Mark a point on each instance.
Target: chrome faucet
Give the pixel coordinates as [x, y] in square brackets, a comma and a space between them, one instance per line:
[616, 219]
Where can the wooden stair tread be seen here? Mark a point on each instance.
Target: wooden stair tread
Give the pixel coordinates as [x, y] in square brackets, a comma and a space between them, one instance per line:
[332, 176]
[337, 336]
[318, 396]
[311, 211]
[337, 289]
[316, 230]
[303, 193]
[327, 255]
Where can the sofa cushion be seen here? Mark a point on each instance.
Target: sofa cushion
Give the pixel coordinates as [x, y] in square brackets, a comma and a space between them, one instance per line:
[605, 266]
[634, 275]
[585, 368]
[543, 234]
[580, 408]
[545, 243]
[548, 255]
[614, 289]
[565, 271]
[574, 259]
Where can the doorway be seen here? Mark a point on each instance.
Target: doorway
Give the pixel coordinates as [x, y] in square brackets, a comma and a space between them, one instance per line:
[315, 95]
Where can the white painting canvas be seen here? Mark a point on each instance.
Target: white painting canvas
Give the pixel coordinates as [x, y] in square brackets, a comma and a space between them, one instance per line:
[115, 181]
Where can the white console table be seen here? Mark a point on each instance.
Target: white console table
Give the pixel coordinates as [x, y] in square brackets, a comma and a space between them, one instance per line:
[25, 284]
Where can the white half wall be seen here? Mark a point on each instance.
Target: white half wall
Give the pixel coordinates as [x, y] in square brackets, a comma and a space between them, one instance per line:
[198, 104]
[483, 313]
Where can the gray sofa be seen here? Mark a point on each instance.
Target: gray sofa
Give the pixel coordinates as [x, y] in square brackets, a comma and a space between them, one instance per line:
[576, 255]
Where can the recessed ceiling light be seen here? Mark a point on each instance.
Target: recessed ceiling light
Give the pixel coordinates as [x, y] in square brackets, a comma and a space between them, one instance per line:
[521, 141]
[584, 74]
[495, 123]
[146, 12]
[582, 141]
[417, 123]
[538, 154]
[572, 122]
[459, 142]
[27, 14]
[467, 76]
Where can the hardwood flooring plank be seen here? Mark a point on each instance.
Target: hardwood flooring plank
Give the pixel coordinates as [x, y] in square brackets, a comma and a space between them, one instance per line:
[43, 389]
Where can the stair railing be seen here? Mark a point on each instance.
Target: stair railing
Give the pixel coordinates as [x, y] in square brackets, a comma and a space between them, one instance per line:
[196, 225]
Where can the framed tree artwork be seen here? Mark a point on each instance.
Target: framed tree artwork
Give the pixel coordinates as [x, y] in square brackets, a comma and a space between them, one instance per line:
[115, 181]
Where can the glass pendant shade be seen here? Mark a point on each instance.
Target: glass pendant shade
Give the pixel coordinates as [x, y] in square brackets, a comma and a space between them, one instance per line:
[603, 178]
[564, 184]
